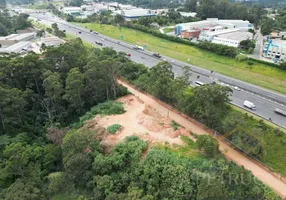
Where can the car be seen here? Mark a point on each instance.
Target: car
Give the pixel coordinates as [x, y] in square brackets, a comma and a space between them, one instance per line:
[79, 32]
[128, 54]
[64, 31]
[90, 30]
[157, 55]
[99, 43]
[95, 32]
[236, 88]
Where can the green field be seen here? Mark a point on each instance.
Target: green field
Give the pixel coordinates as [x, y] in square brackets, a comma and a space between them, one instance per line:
[258, 74]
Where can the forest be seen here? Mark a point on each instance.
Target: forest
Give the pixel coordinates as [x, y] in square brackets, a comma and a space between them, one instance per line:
[47, 152]
[9, 25]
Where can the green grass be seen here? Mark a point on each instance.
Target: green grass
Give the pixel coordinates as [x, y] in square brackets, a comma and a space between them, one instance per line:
[106, 108]
[258, 74]
[113, 128]
[167, 30]
[175, 125]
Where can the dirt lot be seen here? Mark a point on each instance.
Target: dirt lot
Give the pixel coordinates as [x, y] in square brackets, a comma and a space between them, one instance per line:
[140, 120]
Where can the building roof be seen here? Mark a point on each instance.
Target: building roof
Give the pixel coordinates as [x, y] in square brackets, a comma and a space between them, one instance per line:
[18, 37]
[133, 13]
[238, 36]
[16, 48]
[220, 32]
[52, 41]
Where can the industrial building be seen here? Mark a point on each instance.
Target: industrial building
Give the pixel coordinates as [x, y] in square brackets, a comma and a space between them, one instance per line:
[72, 10]
[225, 32]
[275, 50]
[135, 13]
[52, 41]
[16, 43]
[20, 47]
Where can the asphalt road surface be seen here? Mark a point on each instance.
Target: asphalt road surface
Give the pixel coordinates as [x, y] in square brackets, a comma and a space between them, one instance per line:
[265, 100]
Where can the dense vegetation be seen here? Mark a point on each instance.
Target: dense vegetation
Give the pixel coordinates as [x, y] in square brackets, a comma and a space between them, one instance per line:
[10, 25]
[253, 137]
[279, 24]
[42, 157]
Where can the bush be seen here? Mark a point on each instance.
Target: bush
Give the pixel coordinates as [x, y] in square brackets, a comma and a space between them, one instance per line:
[175, 125]
[241, 57]
[209, 145]
[250, 63]
[106, 108]
[113, 128]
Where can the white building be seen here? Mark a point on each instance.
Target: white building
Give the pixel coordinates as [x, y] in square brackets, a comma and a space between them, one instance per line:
[135, 13]
[20, 47]
[52, 41]
[72, 10]
[275, 49]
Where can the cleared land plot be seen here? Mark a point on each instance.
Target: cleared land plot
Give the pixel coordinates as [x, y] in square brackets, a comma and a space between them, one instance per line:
[259, 74]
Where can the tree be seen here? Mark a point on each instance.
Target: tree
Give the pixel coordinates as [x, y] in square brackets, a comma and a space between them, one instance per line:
[74, 89]
[3, 4]
[191, 5]
[12, 105]
[266, 26]
[209, 145]
[282, 65]
[211, 188]
[119, 19]
[3, 30]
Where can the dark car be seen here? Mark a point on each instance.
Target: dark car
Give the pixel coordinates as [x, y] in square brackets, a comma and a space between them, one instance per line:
[90, 30]
[64, 31]
[79, 32]
[99, 43]
[157, 55]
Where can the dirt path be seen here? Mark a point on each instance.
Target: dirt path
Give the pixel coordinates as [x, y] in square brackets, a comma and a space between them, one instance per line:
[263, 175]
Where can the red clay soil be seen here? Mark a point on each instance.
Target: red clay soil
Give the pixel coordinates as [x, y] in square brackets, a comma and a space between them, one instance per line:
[258, 171]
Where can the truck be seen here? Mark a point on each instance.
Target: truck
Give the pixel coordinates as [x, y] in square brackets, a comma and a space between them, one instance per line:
[249, 105]
[138, 48]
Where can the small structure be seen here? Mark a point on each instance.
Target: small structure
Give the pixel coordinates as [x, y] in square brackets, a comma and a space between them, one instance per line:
[52, 41]
[72, 10]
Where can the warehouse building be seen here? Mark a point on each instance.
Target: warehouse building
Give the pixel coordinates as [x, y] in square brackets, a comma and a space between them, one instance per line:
[275, 50]
[20, 47]
[135, 13]
[52, 41]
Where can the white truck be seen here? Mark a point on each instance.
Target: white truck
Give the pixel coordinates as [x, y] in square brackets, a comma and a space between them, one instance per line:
[138, 48]
[249, 105]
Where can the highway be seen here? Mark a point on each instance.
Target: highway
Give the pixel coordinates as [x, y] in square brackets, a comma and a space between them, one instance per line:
[265, 100]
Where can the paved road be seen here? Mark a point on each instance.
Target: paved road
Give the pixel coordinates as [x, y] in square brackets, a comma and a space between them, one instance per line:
[265, 100]
[257, 52]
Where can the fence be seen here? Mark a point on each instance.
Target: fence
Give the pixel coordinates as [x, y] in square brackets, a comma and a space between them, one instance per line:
[171, 112]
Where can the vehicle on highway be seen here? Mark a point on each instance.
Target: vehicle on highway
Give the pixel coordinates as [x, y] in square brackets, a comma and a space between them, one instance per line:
[90, 31]
[64, 31]
[95, 32]
[138, 48]
[280, 112]
[79, 32]
[236, 88]
[157, 55]
[99, 43]
[198, 83]
[128, 54]
[249, 105]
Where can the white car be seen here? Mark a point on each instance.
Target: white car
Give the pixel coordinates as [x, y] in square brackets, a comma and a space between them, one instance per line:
[236, 88]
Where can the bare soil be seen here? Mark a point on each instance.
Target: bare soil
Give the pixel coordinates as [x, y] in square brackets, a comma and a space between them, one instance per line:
[140, 120]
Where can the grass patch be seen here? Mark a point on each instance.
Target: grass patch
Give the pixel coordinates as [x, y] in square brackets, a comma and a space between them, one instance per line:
[168, 30]
[259, 74]
[175, 125]
[113, 128]
[106, 108]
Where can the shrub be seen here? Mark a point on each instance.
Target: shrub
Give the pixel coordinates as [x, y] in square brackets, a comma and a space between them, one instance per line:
[113, 128]
[241, 57]
[250, 63]
[209, 145]
[175, 125]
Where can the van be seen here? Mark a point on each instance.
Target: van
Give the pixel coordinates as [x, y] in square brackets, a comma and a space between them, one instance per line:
[198, 83]
[249, 105]
[138, 48]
